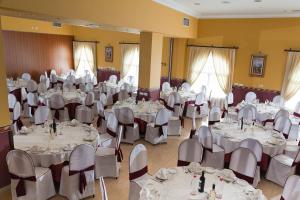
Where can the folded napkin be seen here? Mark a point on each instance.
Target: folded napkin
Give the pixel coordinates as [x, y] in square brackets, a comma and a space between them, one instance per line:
[149, 194]
[228, 174]
[165, 174]
[195, 167]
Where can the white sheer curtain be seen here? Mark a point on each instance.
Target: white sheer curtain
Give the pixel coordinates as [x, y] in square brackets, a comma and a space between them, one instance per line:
[85, 58]
[130, 54]
[291, 83]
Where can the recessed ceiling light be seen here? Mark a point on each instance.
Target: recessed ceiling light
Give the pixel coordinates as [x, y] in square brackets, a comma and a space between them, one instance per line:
[197, 4]
[225, 2]
[257, 1]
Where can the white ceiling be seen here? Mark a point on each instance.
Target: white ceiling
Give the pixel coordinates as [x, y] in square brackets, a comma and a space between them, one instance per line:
[235, 8]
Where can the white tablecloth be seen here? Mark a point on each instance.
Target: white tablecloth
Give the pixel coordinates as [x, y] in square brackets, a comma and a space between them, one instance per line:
[179, 187]
[75, 96]
[185, 95]
[145, 110]
[46, 150]
[229, 135]
[19, 83]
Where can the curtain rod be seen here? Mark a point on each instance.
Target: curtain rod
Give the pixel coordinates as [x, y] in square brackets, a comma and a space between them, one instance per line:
[212, 46]
[86, 41]
[291, 50]
[129, 43]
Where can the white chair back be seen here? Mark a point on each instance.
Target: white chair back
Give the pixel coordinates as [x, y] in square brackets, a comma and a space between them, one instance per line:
[89, 87]
[23, 94]
[84, 114]
[68, 86]
[200, 98]
[123, 95]
[41, 115]
[26, 76]
[283, 124]
[42, 88]
[103, 189]
[255, 146]
[53, 71]
[32, 86]
[190, 150]
[297, 108]
[103, 99]
[171, 101]
[281, 113]
[186, 86]
[248, 113]
[291, 190]
[125, 115]
[243, 161]
[100, 108]
[112, 122]
[17, 111]
[230, 99]
[12, 100]
[165, 87]
[250, 97]
[32, 99]
[57, 101]
[82, 157]
[20, 163]
[214, 114]
[162, 116]
[53, 78]
[205, 137]
[278, 100]
[89, 99]
[113, 79]
[138, 159]
[43, 78]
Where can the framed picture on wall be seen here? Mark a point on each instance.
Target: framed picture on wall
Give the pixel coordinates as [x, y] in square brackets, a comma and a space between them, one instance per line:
[108, 54]
[258, 65]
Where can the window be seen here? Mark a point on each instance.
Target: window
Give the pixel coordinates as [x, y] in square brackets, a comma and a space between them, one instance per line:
[209, 79]
[130, 63]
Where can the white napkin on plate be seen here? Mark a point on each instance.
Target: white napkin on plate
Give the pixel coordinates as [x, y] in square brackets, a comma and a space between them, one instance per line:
[149, 194]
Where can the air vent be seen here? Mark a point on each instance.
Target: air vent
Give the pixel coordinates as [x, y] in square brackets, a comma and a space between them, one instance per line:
[295, 10]
[186, 21]
[57, 24]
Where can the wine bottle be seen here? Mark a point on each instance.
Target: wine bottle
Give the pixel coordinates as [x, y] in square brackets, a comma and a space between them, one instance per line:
[242, 123]
[54, 125]
[212, 193]
[202, 183]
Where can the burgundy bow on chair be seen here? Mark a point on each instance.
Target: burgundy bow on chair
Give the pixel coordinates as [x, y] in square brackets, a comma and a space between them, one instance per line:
[198, 108]
[99, 121]
[110, 132]
[119, 154]
[244, 177]
[139, 173]
[82, 178]
[169, 107]
[32, 109]
[180, 117]
[125, 128]
[56, 114]
[181, 163]
[160, 126]
[19, 123]
[20, 189]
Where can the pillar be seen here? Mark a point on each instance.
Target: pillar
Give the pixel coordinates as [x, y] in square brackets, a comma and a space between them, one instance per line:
[151, 45]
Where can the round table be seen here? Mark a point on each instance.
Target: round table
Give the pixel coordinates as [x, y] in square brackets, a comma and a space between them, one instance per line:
[180, 186]
[184, 95]
[75, 96]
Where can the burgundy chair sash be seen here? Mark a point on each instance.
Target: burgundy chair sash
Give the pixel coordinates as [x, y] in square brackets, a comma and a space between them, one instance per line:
[213, 122]
[115, 97]
[125, 128]
[82, 178]
[56, 114]
[90, 106]
[19, 123]
[169, 108]
[192, 133]
[296, 114]
[20, 189]
[56, 171]
[110, 132]
[186, 106]
[162, 100]
[268, 120]
[160, 128]
[11, 110]
[53, 84]
[181, 163]
[32, 109]
[137, 174]
[244, 177]
[72, 109]
[99, 121]
[281, 198]
[119, 154]
[230, 105]
[198, 108]
[181, 121]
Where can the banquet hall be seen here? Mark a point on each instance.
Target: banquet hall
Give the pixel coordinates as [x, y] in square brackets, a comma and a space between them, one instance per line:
[150, 99]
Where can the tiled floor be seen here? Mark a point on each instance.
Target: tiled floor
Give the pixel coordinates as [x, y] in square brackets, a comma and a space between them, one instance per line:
[164, 155]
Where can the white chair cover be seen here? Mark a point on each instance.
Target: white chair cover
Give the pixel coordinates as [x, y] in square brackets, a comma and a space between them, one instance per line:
[26, 76]
[82, 161]
[174, 125]
[297, 109]
[68, 86]
[256, 147]
[12, 100]
[32, 86]
[138, 171]
[42, 88]
[250, 97]
[23, 94]
[283, 124]
[39, 183]
[165, 87]
[243, 163]
[203, 90]
[281, 167]
[41, 115]
[190, 150]
[113, 79]
[32, 101]
[202, 107]
[89, 99]
[281, 113]
[247, 113]
[84, 114]
[16, 118]
[278, 100]
[43, 78]
[89, 87]
[129, 129]
[186, 86]
[214, 115]
[123, 95]
[53, 71]
[103, 189]
[157, 132]
[57, 107]
[230, 99]
[103, 99]
[291, 190]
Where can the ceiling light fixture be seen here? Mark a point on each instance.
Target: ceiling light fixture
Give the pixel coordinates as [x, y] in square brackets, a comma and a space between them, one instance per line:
[226, 2]
[257, 1]
[197, 4]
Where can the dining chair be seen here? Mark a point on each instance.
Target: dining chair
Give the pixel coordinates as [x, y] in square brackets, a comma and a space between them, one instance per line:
[84, 114]
[283, 125]
[175, 121]
[250, 97]
[57, 107]
[243, 163]
[278, 100]
[281, 167]
[186, 86]
[78, 179]
[213, 155]
[291, 190]
[157, 132]
[26, 76]
[41, 115]
[103, 189]
[214, 115]
[27, 181]
[201, 104]
[138, 171]
[190, 150]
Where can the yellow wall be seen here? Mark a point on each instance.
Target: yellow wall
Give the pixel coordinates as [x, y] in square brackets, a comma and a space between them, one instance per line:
[105, 38]
[269, 36]
[35, 26]
[145, 15]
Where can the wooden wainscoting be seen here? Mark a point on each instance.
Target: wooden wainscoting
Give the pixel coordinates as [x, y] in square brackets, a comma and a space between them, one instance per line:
[36, 53]
[6, 144]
